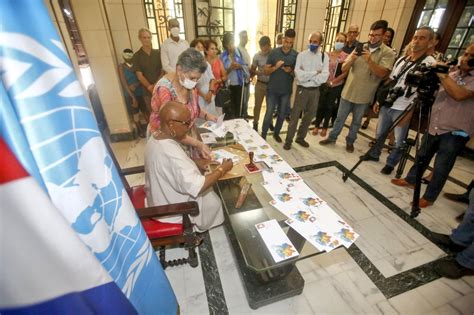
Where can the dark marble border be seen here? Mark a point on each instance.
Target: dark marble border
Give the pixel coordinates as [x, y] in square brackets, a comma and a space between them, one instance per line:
[403, 281]
[212, 280]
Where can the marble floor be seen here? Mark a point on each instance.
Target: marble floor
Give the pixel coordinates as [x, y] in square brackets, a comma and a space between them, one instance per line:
[387, 270]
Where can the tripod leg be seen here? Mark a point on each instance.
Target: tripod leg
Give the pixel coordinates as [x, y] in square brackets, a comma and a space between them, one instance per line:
[403, 161]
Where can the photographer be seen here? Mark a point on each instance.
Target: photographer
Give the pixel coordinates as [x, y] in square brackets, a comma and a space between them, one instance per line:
[399, 97]
[451, 126]
[368, 64]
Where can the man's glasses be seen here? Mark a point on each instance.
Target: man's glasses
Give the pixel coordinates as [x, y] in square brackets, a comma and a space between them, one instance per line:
[375, 35]
[185, 123]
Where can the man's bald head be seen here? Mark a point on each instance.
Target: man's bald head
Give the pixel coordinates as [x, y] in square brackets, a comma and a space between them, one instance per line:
[174, 111]
[316, 36]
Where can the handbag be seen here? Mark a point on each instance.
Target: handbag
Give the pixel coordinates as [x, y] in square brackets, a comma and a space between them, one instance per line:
[223, 98]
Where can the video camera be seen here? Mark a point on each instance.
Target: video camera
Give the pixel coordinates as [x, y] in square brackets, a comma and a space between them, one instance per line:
[423, 77]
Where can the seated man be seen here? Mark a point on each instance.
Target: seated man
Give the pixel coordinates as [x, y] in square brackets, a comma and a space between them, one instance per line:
[172, 177]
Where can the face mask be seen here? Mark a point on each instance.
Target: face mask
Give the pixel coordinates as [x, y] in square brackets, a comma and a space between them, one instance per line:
[187, 83]
[127, 55]
[174, 31]
[202, 53]
[313, 47]
[338, 45]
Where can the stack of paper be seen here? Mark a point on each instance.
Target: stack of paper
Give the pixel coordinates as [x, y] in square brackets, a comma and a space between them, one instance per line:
[307, 213]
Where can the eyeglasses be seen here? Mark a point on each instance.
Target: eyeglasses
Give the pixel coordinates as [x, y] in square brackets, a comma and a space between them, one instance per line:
[185, 123]
[375, 35]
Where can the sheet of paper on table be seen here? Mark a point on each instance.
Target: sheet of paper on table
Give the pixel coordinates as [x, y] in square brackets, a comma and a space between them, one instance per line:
[278, 244]
[208, 138]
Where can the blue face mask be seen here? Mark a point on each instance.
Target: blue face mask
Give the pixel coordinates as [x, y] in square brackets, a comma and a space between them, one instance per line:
[313, 47]
[338, 45]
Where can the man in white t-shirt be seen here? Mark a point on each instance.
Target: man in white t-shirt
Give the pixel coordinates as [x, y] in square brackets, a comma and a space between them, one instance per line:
[172, 47]
[421, 42]
[172, 177]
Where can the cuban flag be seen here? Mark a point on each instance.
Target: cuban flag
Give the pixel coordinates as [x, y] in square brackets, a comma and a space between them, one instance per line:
[44, 272]
[47, 123]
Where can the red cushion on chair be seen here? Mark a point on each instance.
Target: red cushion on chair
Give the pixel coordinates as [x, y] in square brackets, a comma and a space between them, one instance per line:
[138, 196]
[153, 228]
[157, 229]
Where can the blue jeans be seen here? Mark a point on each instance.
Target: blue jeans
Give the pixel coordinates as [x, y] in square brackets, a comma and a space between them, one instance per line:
[464, 235]
[275, 100]
[386, 118]
[345, 108]
[447, 146]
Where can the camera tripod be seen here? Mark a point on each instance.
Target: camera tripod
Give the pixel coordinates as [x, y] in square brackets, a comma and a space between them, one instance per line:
[416, 103]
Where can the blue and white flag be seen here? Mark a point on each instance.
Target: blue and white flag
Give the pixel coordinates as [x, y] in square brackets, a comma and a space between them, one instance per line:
[44, 272]
[47, 122]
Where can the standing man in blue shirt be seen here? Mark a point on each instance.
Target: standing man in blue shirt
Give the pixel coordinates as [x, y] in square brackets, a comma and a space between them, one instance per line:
[280, 67]
[311, 71]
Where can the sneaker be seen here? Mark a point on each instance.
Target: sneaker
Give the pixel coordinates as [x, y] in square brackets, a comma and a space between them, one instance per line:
[369, 158]
[302, 143]
[277, 138]
[445, 241]
[402, 182]
[287, 146]
[452, 269]
[326, 141]
[387, 170]
[349, 148]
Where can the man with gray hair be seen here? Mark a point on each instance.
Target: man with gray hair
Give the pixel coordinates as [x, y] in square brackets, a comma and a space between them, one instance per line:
[311, 71]
[172, 47]
[352, 34]
[147, 65]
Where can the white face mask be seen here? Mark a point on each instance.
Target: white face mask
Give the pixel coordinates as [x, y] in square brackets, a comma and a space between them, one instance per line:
[187, 83]
[202, 53]
[174, 31]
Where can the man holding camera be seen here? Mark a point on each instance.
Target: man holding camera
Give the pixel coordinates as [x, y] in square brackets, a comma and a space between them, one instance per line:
[399, 98]
[451, 126]
[368, 65]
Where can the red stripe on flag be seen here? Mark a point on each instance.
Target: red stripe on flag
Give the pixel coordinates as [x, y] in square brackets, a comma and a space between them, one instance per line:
[10, 168]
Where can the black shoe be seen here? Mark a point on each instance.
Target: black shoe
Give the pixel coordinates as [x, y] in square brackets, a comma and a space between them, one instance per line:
[457, 197]
[349, 147]
[365, 124]
[287, 146]
[277, 138]
[326, 141]
[460, 217]
[369, 158]
[445, 241]
[302, 143]
[387, 170]
[272, 127]
[451, 269]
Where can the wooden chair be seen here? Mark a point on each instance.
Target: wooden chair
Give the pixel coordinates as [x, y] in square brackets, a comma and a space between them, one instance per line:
[162, 234]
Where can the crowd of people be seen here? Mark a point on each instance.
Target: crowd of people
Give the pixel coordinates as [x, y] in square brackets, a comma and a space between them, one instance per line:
[355, 77]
